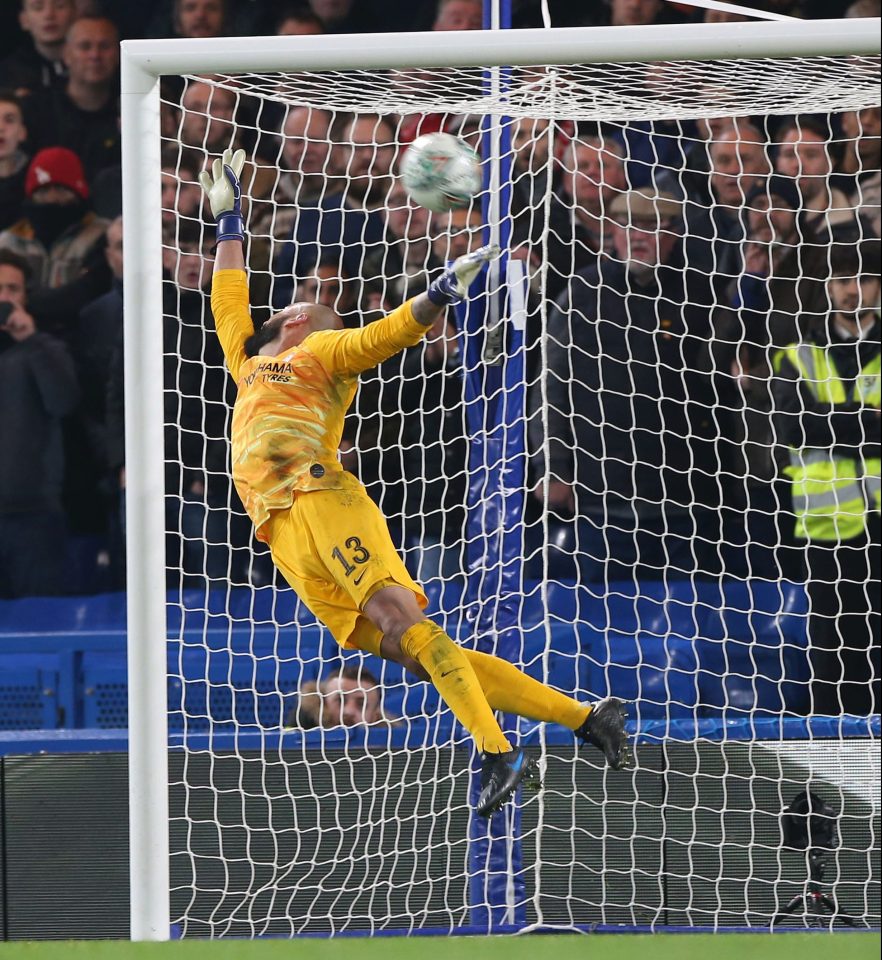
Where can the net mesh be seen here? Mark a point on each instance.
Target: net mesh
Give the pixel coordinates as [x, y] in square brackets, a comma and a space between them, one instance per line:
[653, 536]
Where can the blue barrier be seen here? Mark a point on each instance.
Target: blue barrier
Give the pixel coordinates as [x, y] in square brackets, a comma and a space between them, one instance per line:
[676, 651]
[422, 730]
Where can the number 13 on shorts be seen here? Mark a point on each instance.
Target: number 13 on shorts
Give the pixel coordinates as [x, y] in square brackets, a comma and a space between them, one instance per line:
[355, 554]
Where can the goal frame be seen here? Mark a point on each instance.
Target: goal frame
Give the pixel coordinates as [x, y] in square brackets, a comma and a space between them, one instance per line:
[142, 64]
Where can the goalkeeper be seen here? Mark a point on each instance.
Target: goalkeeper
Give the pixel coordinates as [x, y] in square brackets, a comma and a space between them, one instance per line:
[296, 377]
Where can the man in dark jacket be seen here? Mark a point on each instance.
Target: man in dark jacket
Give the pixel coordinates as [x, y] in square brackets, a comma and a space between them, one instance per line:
[37, 388]
[83, 115]
[716, 233]
[198, 401]
[827, 400]
[37, 64]
[628, 448]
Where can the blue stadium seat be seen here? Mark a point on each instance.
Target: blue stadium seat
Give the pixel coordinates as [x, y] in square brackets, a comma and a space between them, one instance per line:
[28, 692]
[643, 644]
[104, 689]
[239, 677]
[755, 655]
[566, 661]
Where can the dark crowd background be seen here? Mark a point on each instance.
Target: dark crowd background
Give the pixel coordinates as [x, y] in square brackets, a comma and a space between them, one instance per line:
[745, 221]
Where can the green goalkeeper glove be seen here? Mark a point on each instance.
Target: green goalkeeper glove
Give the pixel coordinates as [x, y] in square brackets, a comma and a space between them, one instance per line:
[225, 194]
[453, 285]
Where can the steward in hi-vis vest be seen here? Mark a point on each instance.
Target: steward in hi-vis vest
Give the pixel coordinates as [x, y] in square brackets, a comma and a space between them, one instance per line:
[835, 465]
[828, 392]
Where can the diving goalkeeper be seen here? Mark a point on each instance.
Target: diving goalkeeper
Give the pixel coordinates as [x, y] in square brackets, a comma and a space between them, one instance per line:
[296, 377]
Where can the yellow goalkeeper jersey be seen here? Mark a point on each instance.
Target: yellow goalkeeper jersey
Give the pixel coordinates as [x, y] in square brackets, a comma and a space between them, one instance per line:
[289, 410]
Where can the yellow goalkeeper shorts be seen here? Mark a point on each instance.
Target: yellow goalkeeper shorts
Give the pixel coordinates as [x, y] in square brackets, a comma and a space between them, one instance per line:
[334, 548]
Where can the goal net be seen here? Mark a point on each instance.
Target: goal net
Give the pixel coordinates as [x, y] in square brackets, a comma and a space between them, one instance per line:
[593, 470]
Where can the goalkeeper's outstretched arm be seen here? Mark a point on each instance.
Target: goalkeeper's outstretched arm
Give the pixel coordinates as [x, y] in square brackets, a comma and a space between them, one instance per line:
[225, 199]
[233, 321]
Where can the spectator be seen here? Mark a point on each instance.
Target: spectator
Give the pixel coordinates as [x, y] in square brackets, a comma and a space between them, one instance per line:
[534, 172]
[196, 427]
[348, 697]
[459, 15]
[449, 15]
[306, 713]
[372, 153]
[297, 21]
[804, 156]
[324, 284]
[303, 171]
[13, 159]
[628, 438]
[460, 232]
[199, 18]
[208, 115]
[723, 16]
[181, 195]
[210, 121]
[692, 180]
[594, 174]
[656, 150]
[778, 267]
[348, 219]
[407, 226]
[738, 163]
[94, 339]
[351, 696]
[91, 495]
[862, 157]
[37, 388]
[862, 153]
[39, 65]
[58, 236]
[341, 16]
[84, 114]
[632, 13]
[435, 452]
[864, 8]
[827, 399]
[762, 308]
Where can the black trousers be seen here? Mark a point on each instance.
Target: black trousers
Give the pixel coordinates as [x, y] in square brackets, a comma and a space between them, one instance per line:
[844, 624]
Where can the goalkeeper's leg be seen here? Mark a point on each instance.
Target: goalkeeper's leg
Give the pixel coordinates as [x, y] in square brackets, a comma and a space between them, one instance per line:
[510, 690]
[407, 636]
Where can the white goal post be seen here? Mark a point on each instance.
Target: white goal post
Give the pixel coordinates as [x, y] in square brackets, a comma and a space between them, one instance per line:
[143, 62]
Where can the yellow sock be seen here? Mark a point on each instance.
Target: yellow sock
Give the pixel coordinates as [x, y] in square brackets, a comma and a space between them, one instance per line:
[512, 691]
[453, 676]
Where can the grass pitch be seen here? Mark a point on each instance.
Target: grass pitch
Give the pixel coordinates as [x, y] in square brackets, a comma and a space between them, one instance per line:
[781, 946]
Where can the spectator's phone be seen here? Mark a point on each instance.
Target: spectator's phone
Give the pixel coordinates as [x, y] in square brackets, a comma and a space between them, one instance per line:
[6, 309]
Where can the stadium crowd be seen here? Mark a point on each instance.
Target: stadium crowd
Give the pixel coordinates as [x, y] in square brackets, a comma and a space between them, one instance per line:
[745, 228]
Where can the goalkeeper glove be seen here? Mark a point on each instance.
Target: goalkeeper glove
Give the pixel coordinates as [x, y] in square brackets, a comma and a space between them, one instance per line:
[225, 194]
[453, 285]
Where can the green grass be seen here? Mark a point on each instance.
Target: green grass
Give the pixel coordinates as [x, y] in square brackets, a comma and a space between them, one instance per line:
[783, 946]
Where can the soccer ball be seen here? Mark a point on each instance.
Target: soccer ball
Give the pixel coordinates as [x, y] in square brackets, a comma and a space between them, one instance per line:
[440, 172]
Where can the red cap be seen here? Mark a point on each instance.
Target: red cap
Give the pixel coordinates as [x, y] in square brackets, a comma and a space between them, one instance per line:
[56, 165]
